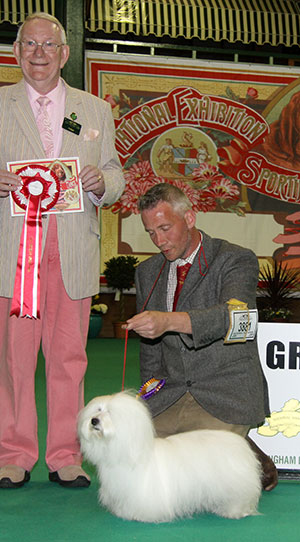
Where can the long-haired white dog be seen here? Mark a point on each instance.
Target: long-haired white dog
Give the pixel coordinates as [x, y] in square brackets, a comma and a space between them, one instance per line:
[151, 479]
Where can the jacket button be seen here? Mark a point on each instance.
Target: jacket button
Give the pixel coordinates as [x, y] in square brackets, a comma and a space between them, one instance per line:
[189, 383]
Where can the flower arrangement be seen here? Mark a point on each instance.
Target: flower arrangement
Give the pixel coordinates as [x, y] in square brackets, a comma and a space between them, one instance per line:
[271, 314]
[207, 189]
[96, 307]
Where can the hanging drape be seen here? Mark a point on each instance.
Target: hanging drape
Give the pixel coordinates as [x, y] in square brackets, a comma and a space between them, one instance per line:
[260, 21]
[15, 11]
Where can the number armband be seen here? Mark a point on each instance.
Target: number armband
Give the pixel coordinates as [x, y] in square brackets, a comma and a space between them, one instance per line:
[243, 322]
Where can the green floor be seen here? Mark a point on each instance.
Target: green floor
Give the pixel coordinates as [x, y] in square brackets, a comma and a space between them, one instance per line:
[42, 512]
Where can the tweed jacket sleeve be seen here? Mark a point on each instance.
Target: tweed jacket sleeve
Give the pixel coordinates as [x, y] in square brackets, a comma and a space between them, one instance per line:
[226, 379]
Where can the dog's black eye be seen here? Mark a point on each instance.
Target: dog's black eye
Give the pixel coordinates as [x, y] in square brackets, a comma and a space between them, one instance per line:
[94, 421]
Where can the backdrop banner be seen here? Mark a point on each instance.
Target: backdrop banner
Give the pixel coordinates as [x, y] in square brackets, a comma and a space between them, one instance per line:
[9, 70]
[226, 133]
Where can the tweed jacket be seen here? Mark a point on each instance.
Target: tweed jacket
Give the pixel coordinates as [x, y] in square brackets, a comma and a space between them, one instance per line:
[78, 233]
[225, 379]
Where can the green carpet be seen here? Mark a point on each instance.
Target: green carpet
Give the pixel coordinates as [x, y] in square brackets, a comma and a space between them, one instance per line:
[44, 512]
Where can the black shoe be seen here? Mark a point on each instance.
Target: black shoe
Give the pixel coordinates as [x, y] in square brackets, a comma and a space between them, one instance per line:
[6, 483]
[79, 481]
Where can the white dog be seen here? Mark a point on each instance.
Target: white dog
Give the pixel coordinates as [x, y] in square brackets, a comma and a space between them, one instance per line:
[145, 478]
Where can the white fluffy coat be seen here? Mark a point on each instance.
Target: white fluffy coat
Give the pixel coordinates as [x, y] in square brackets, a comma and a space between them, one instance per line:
[151, 479]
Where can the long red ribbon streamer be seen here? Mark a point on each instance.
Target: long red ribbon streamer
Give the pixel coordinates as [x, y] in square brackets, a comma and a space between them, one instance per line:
[26, 297]
[124, 362]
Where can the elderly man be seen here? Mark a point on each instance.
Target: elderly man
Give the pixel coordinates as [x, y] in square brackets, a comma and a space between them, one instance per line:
[75, 124]
[212, 373]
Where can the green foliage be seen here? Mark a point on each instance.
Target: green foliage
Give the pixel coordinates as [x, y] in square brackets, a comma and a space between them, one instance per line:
[119, 274]
[276, 314]
[279, 283]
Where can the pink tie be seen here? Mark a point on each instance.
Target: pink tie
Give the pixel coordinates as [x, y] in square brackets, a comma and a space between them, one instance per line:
[44, 126]
[182, 272]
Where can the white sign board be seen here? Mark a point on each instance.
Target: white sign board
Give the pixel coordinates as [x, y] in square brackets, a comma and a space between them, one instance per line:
[279, 437]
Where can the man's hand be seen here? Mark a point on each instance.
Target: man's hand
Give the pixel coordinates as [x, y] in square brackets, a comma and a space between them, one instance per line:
[92, 180]
[153, 324]
[8, 182]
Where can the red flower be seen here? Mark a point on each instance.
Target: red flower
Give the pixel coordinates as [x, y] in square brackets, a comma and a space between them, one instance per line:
[251, 93]
[223, 189]
[205, 174]
[211, 186]
[141, 171]
[110, 99]
[206, 201]
[135, 189]
[116, 207]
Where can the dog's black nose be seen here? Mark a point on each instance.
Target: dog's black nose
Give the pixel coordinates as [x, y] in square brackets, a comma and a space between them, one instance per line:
[94, 421]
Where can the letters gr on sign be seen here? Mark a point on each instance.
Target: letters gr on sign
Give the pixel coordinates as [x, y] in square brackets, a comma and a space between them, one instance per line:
[281, 356]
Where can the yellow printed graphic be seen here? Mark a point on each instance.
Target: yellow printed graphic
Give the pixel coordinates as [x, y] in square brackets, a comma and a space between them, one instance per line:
[286, 421]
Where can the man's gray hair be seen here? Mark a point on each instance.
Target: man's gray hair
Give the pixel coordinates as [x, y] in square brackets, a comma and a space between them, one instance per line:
[165, 192]
[47, 17]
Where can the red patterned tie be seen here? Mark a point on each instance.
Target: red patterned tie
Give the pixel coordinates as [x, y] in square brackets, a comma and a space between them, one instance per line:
[44, 126]
[182, 272]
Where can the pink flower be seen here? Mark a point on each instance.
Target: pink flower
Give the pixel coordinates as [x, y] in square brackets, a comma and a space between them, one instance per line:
[140, 171]
[205, 174]
[210, 187]
[223, 189]
[132, 192]
[139, 178]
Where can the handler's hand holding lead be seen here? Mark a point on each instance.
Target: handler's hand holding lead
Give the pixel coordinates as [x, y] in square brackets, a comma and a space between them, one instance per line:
[149, 324]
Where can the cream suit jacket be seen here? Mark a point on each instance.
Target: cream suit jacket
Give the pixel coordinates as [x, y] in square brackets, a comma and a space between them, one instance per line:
[78, 233]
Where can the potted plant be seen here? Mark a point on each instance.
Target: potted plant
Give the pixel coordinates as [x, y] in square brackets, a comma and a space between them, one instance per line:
[119, 274]
[278, 284]
[97, 309]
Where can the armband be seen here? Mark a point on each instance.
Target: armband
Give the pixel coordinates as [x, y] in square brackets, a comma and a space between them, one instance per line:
[242, 322]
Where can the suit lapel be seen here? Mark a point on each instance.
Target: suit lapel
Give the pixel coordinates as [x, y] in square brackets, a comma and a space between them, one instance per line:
[23, 116]
[158, 298]
[73, 104]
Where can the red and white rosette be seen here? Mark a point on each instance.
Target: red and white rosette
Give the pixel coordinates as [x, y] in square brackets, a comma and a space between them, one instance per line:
[38, 193]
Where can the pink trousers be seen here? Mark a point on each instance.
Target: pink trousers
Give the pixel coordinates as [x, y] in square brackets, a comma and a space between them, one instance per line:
[62, 332]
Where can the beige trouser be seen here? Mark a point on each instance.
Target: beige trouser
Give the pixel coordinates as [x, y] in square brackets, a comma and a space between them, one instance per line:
[187, 415]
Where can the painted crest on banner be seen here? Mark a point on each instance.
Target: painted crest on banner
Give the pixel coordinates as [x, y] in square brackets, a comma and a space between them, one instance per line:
[177, 152]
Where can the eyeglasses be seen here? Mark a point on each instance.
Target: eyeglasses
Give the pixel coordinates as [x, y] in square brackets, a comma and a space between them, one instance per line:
[47, 46]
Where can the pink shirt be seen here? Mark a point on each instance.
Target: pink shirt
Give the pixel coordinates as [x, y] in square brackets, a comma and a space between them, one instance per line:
[56, 110]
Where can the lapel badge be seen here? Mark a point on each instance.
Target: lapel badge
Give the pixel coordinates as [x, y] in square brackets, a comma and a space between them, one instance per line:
[71, 125]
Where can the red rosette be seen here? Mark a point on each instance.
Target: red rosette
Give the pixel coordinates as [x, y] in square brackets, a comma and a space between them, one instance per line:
[38, 193]
[36, 173]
